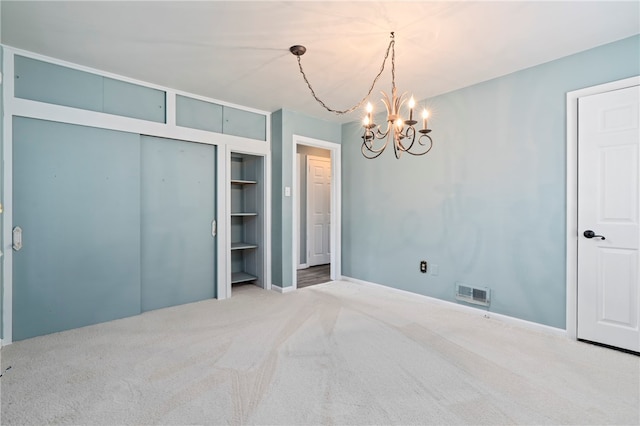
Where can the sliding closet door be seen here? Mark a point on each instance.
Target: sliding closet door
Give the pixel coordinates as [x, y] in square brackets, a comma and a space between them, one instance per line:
[76, 197]
[178, 207]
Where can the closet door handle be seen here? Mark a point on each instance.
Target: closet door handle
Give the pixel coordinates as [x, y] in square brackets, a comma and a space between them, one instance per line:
[17, 238]
[213, 228]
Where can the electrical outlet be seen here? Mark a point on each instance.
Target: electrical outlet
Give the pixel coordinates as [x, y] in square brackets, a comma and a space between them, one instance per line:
[423, 266]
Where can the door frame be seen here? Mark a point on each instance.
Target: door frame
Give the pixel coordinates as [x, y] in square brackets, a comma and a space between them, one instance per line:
[572, 194]
[336, 207]
[308, 230]
[300, 265]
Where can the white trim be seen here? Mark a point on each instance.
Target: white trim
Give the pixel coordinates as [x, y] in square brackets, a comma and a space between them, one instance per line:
[7, 216]
[468, 309]
[223, 284]
[298, 179]
[572, 194]
[64, 114]
[170, 109]
[336, 206]
[303, 266]
[282, 289]
[267, 219]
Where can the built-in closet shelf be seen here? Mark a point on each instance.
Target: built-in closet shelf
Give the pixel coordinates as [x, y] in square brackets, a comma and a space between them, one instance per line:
[243, 182]
[247, 211]
[241, 277]
[243, 246]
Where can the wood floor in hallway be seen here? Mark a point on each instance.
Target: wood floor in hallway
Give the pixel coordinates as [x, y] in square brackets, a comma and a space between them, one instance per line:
[314, 275]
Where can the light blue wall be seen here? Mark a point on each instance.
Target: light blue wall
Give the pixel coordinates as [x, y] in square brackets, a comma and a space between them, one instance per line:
[276, 197]
[487, 205]
[285, 124]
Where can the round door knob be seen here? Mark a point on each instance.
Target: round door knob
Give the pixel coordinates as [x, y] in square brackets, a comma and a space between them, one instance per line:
[590, 234]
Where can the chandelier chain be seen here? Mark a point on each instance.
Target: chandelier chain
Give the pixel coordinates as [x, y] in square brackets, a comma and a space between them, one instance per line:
[375, 80]
[393, 64]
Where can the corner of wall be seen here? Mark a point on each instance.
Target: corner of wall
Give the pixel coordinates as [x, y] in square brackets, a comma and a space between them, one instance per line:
[276, 199]
[284, 125]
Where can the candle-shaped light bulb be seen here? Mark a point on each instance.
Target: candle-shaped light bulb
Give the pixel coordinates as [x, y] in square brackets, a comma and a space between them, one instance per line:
[425, 115]
[412, 103]
[369, 107]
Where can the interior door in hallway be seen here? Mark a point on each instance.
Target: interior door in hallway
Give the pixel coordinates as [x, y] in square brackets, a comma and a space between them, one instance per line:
[318, 210]
[608, 218]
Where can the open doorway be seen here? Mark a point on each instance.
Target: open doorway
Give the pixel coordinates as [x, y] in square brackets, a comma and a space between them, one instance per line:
[314, 207]
[316, 212]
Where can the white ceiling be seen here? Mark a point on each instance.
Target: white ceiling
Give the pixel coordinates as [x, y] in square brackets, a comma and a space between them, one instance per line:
[237, 51]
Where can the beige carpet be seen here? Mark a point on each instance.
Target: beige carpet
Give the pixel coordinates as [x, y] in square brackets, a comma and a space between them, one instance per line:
[337, 353]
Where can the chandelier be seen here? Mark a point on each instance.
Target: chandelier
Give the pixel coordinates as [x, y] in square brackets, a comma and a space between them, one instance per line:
[402, 132]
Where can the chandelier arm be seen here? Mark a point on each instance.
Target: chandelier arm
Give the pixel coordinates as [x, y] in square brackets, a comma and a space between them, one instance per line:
[367, 156]
[359, 104]
[421, 143]
[381, 135]
[369, 153]
[369, 144]
[410, 133]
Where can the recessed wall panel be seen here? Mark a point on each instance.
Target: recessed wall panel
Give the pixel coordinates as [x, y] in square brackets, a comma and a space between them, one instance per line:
[197, 114]
[133, 100]
[619, 193]
[617, 287]
[45, 82]
[247, 124]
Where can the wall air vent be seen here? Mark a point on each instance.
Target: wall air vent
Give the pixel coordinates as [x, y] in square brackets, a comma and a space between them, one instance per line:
[475, 295]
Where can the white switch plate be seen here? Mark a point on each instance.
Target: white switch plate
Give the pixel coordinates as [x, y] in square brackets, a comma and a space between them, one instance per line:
[287, 191]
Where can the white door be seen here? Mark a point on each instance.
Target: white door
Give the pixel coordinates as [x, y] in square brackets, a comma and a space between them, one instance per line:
[318, 210]
[609, 205]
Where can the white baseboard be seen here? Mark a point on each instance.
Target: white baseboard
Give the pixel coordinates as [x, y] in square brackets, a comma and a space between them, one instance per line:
[282, 289]
[303, 266]
[468, 309]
